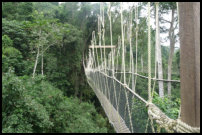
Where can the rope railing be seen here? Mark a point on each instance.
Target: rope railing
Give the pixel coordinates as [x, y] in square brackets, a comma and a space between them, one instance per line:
[116, 90]
[165, 80]
[156, 114]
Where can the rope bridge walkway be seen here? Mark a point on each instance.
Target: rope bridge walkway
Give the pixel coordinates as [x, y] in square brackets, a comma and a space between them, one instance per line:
[129, 110]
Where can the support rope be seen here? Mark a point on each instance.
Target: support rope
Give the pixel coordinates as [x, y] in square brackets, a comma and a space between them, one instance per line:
[149, 55]
[95, 72]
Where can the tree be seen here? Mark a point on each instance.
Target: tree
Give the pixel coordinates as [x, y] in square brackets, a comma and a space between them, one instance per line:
[43, 29]
[11, 57]
[20, 11]
[48, 8]
[166, 7]
[6, 41]
[35, 106]
[158, 55]
[189, 14]
[18, 34]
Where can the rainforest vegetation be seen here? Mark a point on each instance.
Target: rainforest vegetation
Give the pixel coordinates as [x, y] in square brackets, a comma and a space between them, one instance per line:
[44, 87]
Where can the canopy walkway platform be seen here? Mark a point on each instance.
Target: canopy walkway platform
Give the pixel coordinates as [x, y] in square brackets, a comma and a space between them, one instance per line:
[129, 108]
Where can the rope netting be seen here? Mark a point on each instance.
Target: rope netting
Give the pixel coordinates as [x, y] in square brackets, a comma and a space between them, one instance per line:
[125, 92]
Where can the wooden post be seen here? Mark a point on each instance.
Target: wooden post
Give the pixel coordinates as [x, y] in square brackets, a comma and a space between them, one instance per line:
[189, 13]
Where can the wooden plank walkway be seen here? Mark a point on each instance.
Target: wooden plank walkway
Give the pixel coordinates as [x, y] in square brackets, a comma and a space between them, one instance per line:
[112, 114]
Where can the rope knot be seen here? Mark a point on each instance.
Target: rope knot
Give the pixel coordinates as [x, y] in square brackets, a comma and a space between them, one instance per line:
[125, 85]
[148, 104]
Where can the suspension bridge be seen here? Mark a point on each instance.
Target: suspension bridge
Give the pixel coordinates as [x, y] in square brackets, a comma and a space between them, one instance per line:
[114, 79]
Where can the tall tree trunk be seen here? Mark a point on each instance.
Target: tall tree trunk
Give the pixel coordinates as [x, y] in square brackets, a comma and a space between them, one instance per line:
[172, 47]
[36, 62]
[189, 13]
[37, 56]
[159, 59]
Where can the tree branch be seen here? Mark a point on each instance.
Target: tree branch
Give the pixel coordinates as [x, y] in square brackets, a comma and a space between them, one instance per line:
[176, 26]
[47, 48]
[164, 20]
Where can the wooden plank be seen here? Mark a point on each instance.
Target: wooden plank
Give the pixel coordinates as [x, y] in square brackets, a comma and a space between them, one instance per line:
[189, 13]
[113, 115]
[106, 46]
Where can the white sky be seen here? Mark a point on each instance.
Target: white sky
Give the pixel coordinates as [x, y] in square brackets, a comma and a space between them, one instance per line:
[126, 6]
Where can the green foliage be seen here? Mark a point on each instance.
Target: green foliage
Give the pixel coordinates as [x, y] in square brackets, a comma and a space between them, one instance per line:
[6, 41]
[21, 108]
[12, 94]
[140, 116]
[63, 63]
[11, 52]
[16, 32]
[47, 8]
[141, 87]
[34, 105]
[11, 57]
[168, 106]
[17, 10]
[176, 61]
[165, 6]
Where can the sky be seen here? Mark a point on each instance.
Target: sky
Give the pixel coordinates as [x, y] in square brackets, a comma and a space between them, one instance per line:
[126, 6]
